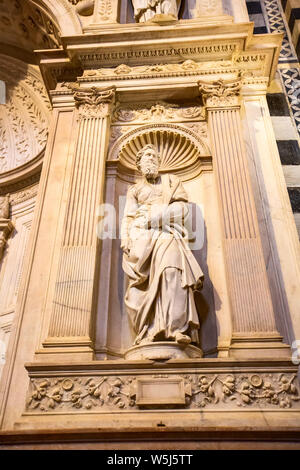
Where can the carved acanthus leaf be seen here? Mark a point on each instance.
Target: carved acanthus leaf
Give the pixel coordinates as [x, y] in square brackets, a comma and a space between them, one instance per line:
[105, 10]
[221, 92]
[94, 102]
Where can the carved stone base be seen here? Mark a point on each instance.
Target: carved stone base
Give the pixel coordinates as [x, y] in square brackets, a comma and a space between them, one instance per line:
[162, 19]
[257, 346]
[162, 351]
[124, 388]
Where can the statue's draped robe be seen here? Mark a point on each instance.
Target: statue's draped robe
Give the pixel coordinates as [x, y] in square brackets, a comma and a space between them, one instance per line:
[161, 269]
[144, 10]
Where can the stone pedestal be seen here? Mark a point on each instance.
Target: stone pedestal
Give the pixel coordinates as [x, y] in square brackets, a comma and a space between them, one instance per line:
[162, 351]
[111, 396]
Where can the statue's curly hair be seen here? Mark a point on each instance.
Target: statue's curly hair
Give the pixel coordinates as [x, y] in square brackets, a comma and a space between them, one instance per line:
[142, 151]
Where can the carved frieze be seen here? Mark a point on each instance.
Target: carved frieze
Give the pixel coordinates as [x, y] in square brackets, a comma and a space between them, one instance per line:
[157, 112]
[232, 390]
[224, 50]
[247, 62]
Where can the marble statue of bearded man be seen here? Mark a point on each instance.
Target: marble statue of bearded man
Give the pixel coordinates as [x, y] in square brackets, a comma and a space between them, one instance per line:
[144, 10]
[161, 269]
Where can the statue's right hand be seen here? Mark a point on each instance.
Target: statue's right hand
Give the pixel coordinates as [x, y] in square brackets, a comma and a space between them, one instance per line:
[125, 245]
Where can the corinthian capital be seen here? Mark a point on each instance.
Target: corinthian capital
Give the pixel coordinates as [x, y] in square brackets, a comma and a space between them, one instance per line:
[94, 102]
[220, 93]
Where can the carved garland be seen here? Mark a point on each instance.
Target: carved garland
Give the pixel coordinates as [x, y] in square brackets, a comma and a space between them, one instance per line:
[213, 391]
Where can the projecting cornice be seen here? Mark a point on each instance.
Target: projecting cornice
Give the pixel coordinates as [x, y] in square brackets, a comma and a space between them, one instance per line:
[132, 52]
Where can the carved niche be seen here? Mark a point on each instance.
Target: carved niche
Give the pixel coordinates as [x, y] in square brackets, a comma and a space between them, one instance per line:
[24, 118]
[179, 131]
[182, 151]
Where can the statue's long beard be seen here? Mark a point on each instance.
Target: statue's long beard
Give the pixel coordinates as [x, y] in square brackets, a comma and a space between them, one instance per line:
[151, 172]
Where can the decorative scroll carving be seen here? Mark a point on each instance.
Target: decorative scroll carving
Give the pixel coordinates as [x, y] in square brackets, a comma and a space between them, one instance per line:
[220, 92]
[212, 391]
[158, 111]
[94, 102]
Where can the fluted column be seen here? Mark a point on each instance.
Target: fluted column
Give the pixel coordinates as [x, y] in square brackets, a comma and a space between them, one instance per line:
[71, 322]
[253, 319]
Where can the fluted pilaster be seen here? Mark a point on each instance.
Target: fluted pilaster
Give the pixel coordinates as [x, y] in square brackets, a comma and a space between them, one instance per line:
[74, 296]
[253, 319]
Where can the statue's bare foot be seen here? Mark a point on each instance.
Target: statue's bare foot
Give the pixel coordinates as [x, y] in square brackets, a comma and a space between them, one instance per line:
[182, 339]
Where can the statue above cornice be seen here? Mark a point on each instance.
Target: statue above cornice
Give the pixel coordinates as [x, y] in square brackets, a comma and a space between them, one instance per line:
[155, 10]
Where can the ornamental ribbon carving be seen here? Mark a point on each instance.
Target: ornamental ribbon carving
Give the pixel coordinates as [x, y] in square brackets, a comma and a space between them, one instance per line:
[94, 102]
[221, 92]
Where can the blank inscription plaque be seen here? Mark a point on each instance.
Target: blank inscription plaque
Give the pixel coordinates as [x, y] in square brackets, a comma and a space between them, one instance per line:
[160, 391]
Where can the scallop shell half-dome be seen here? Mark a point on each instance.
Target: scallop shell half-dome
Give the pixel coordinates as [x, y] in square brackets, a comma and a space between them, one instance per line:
[178, 147]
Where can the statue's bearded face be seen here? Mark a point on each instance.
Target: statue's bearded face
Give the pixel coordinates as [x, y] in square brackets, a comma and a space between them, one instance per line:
[149, 163]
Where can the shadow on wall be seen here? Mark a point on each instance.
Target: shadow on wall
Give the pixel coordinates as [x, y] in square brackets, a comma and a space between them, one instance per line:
[206, 298]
